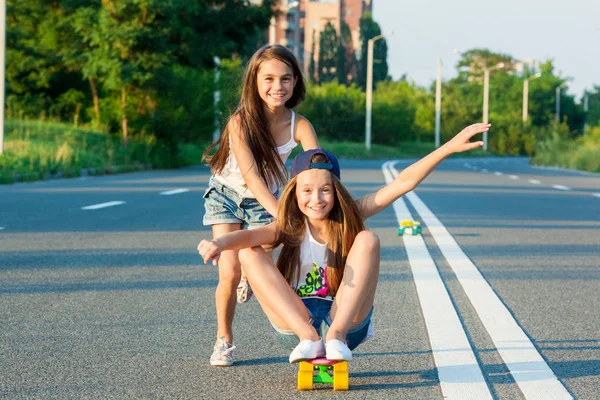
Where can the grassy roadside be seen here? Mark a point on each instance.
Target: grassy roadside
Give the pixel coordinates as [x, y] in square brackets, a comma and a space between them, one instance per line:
[38, 150]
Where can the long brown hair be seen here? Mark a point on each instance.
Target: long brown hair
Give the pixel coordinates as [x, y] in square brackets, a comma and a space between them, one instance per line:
[252, 120]
[344, 223]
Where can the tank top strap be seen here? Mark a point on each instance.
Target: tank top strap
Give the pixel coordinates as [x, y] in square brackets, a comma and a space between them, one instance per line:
[293, 126]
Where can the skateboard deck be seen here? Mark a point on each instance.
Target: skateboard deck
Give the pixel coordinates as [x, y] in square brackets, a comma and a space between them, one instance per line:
[322, 370]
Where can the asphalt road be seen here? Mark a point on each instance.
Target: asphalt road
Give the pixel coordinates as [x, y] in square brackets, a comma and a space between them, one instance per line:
[114, 302]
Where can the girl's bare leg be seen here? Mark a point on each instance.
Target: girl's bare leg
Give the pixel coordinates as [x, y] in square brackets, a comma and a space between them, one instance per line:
[278, 300]
[356, 293]
[229, 276]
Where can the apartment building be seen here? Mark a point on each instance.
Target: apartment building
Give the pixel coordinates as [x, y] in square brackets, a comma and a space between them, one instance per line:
[302, 21]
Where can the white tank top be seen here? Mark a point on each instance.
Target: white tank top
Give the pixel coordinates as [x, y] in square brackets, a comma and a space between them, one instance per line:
[313, 268]
[231, 176]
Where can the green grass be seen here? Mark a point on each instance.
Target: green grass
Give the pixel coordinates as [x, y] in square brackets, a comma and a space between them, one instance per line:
[35, 150]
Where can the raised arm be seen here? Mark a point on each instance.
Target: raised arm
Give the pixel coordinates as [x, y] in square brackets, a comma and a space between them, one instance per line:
[211, 249]
[410, 177]
[247, 166]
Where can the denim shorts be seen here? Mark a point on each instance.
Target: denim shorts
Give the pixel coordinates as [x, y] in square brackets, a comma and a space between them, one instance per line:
[319, 311]
[223, 205]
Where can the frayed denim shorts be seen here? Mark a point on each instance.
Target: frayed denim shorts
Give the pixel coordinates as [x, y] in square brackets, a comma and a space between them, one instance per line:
[223, 205]
[319, 311]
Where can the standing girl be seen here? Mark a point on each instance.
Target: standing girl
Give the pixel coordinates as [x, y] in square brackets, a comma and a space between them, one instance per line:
[319, 296]
[249, 167]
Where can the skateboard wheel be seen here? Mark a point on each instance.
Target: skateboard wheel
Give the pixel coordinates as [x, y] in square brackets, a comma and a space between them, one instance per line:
[305, 376]
[340, 376]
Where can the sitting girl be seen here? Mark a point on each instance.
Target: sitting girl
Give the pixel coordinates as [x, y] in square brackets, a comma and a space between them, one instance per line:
[320, 294]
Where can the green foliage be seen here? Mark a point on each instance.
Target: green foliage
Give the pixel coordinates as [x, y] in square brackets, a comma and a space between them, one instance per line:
[555, 148]
[368, 30]
[328, 54]
[336, 111]
[36, 150]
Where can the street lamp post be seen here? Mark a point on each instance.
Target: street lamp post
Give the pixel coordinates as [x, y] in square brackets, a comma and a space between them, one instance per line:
[558, 101]
[369, 90]
[586, 109]
[2, 63]
[526, 94]
[438, 102]
[486, 98]
[217, 99]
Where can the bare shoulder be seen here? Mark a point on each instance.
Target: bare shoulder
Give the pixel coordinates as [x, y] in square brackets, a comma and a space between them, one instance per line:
[304, 131]
[234, 124]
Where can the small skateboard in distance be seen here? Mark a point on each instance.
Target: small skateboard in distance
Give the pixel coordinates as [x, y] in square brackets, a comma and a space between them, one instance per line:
[322, 370]
[409, 227]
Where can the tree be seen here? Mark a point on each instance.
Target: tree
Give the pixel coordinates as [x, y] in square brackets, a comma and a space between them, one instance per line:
[346, 69]
[368, 30]
[328, 46]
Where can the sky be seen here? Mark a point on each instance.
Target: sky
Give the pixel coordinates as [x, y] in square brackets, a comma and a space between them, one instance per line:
[568, 32]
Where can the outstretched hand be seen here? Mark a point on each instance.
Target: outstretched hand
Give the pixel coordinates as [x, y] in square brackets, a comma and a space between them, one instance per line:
[462, 141]
[209, 249]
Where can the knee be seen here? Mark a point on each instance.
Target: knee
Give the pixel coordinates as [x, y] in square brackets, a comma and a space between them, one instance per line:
[248, 256]
[229, 268]
[368, 241]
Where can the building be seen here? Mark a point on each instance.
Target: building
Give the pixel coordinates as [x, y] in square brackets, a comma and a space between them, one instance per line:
[300, 21]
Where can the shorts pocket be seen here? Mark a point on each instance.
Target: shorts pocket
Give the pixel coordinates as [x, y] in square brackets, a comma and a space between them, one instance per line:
[207, 192]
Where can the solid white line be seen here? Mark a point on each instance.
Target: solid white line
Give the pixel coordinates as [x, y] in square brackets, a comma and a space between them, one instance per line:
[561, 187]
[535, 181]
[175, 191]
[459, 373]
[513, 177]
[103, 205]
[529, 370]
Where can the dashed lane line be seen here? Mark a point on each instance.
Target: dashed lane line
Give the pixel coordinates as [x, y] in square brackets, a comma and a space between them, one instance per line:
[561, 187]
[103, 205]
[458, 370]
[529, 370]
[175, 191]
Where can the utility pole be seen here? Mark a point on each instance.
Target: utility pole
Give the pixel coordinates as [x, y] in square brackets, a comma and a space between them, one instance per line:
[438, 102]
[2, 64]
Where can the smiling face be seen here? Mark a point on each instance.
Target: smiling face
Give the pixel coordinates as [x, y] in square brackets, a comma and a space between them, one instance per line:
[315, 194]
[275, 82]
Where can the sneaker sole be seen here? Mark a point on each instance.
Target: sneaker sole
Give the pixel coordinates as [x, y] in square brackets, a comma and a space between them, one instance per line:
[220, 364]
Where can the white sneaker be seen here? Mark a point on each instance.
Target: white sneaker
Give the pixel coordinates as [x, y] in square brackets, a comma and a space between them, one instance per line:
[222, 355]
[337, 350]
[307, 350]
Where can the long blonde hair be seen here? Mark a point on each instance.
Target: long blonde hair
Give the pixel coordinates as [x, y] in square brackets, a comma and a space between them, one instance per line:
[253, 122]
[344, 223]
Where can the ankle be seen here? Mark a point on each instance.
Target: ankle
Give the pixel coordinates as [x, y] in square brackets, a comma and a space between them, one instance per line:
[335, 335]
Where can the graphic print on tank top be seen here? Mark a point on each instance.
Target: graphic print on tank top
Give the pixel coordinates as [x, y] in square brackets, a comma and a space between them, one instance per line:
[315, 282]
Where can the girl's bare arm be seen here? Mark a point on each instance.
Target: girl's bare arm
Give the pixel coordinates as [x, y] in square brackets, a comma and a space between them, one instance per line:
[211, 249]
[410, 177]
[247, 166]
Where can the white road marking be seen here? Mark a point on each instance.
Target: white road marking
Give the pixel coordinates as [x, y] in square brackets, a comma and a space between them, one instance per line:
[535, 181]
[596, 194]
[561, 187]
[103, 205]
[458, 370]
[513, 177]
[529, 370]
[175, 191]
